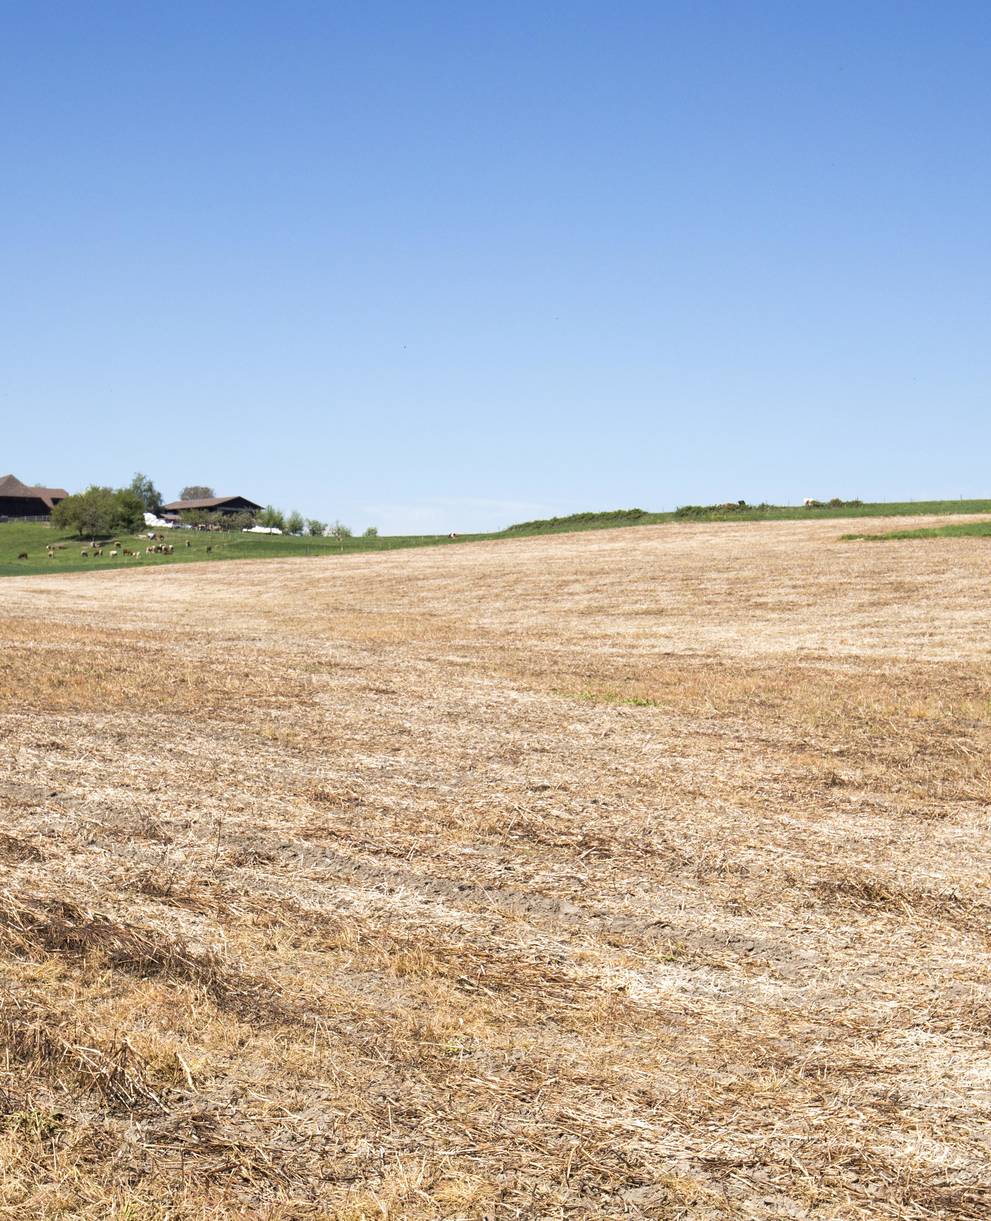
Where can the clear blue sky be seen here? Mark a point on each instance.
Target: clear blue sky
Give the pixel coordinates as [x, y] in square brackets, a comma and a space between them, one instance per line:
[447, 265]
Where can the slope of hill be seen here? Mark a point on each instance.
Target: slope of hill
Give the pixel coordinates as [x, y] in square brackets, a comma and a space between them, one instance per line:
[629, 874]
[33, 538]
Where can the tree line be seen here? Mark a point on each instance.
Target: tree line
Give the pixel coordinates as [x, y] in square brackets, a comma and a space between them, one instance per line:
[104, 511]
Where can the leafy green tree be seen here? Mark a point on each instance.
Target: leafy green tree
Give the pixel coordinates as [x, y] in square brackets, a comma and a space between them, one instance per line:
[197, 491]
[315, 527]
[371, 532]
[146, 491]
[340, 532]
[195, 517]
[99, 512]
[272, 517]
[295, 523]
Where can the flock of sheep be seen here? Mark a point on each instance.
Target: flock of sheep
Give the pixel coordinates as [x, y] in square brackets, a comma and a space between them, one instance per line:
[114, 549]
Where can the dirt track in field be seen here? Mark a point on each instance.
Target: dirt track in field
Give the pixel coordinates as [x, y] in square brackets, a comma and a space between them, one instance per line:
[631, 873]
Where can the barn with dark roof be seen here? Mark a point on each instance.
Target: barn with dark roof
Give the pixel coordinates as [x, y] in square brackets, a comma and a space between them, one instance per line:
[19, 500]
[214, 504]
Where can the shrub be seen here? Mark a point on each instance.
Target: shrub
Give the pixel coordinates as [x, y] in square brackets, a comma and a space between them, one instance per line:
[295, 523]
[315, 527]
[728, 506]
[612, 517]
[371, 532]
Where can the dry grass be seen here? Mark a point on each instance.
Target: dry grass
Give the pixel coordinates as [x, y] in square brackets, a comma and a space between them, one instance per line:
[636, 873]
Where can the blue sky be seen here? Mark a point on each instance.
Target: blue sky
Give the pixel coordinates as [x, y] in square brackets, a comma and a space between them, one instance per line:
[441, 266]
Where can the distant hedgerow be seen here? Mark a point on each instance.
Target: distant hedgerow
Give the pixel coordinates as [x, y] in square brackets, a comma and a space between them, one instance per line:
[612, 517]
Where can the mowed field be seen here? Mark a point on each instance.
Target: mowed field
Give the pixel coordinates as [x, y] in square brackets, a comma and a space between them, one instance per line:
[635, 873]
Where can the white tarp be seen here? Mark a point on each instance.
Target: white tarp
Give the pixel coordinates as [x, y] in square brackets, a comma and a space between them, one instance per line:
[261, 530]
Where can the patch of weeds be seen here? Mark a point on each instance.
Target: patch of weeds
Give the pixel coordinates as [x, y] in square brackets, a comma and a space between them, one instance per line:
[615, 699]
[36, 1123]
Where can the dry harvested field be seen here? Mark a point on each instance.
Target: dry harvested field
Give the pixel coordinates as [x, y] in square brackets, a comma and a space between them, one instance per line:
[636, 873]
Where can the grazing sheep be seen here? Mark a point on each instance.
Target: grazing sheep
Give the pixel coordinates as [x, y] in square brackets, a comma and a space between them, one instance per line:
[808, 502]
[188, 543]
[23, 555]
[114, 554]
[85, 554]
[209, 548]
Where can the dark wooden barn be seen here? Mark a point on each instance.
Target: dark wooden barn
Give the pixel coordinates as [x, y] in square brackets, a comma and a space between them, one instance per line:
[19, 500]
[214, 504]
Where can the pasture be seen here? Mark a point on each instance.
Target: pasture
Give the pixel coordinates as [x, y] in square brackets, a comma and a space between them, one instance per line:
[632, 873]
[190, 546]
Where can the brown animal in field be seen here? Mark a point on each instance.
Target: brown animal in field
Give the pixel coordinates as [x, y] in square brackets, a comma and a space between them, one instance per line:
[62, 546]
[127, 552]
[188, 543]
[98, 551]
[209, 548]
[23, 555]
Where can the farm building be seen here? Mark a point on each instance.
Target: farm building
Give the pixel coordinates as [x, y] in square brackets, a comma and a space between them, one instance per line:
[19, 500]
[214, 504]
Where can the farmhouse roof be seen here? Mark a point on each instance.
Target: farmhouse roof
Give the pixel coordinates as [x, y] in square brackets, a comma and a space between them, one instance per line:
[11, 488]
[206, 502]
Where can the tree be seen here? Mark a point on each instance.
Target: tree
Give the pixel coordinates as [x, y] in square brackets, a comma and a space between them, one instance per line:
[371, 532]
[316, 527]
[197, 492]
[340, 532]
[100, 512]
[295, 523]
[149, 495]
[272, 517]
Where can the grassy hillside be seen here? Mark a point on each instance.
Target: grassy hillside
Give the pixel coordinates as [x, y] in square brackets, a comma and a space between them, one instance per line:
[967, 529]
[33, 537]
[763, 512]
